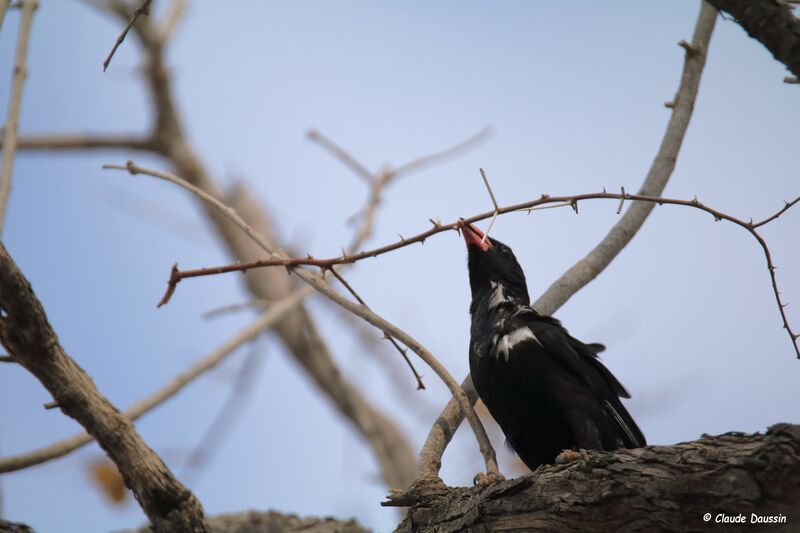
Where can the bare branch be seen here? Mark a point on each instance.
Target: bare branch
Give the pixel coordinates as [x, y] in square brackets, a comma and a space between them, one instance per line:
[341, 154]
[319, 283]
[82, 141]
[428, 160]
[26, 333]
[3, 8]
[143, 9]
[61, 448]
[9, 136]
[233, 308]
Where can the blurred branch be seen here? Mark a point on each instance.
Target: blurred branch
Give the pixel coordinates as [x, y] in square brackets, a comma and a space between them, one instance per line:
[26, 333]
[317, 281]
[143, 9]
[772, 23]
[177, 8]
[449, 153]
[20, 72]
[227, 415]
[61, 448]
[620, 235]
[80, 141]
[3, 8]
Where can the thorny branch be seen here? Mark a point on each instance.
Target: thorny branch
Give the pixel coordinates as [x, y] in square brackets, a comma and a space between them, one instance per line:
[327, 264]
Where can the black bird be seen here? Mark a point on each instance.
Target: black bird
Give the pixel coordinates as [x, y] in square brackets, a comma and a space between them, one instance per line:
[547, 390]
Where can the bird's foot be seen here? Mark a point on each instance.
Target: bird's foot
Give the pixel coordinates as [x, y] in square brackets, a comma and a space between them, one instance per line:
[487, 479]
[567, 456]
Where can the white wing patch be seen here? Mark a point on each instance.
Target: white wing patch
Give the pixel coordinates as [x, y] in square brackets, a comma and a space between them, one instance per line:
[498, 296]
[506, 343]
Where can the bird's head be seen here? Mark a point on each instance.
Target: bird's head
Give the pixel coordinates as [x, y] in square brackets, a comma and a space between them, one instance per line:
[492, 263]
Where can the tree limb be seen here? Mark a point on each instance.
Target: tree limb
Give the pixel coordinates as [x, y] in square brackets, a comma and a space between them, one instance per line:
[772, 23]
[620, 235]
[29, 338]
[657, 488]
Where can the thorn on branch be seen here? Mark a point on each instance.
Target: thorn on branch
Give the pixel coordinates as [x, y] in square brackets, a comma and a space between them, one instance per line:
[51, 405]
[669, 105]
[791, 79]
[574, 204]
[174, 279]
[621, 200]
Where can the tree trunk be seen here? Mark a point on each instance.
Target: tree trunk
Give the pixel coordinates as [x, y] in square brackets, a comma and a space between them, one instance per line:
[658, 488]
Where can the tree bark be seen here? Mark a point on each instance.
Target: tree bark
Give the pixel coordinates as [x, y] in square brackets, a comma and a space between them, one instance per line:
[31, 341]
[770, 22]
[657, 488]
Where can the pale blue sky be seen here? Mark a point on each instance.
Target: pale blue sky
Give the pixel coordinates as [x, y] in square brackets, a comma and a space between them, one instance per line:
[574, 92]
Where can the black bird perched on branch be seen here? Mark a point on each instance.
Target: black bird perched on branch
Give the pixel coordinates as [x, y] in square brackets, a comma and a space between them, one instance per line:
[547, 390]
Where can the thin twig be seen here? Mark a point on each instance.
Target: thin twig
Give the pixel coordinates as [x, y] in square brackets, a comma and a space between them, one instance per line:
[268, 318]
[233, 308]
[341, 154]
[428, 160]
[143, 9]
[7, 359]
[403, 352]
[9, 136]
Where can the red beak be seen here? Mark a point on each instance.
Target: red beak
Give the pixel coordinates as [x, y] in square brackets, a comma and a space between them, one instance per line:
[473, 236]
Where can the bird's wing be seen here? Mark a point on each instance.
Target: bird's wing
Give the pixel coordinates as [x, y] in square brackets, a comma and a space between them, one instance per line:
[581, 361]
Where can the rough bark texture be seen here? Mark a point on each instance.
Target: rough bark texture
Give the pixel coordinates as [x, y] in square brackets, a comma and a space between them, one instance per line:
[31, 341]
[658, 488]
[770, 22]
